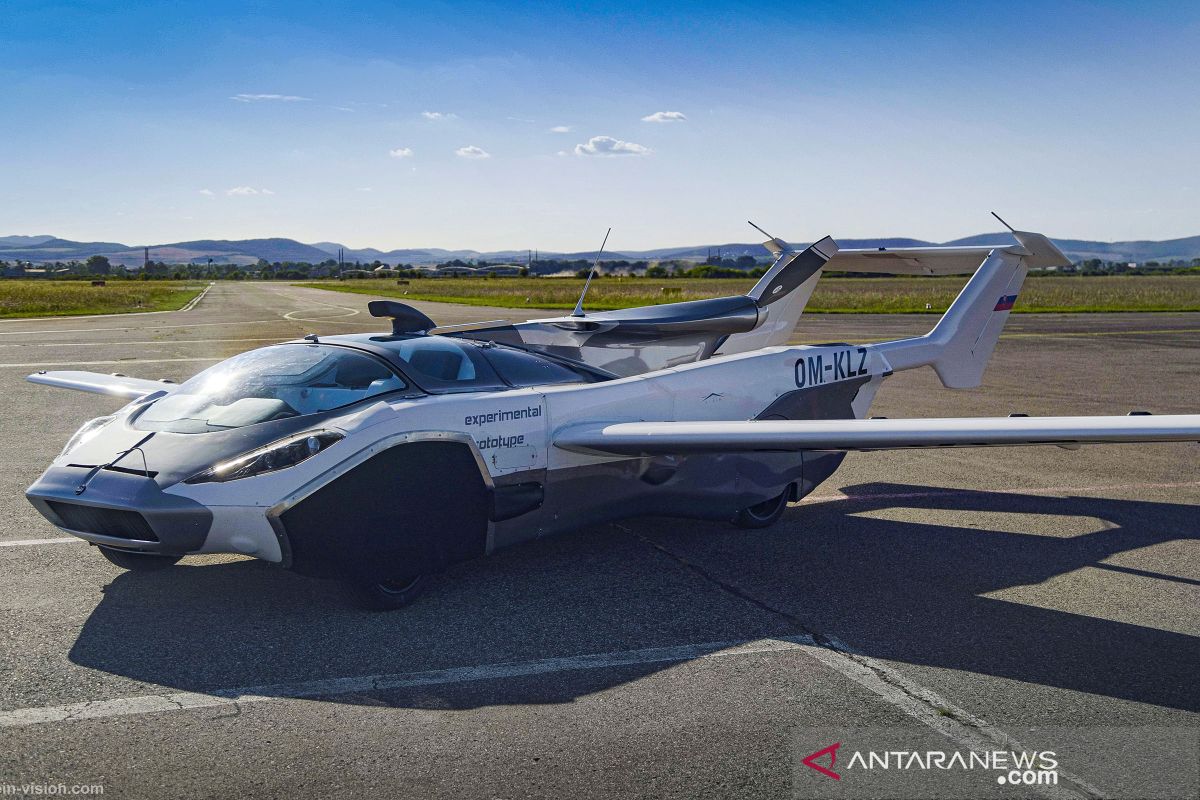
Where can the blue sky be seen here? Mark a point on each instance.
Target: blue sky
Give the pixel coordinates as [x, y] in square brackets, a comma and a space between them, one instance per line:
[435, 124]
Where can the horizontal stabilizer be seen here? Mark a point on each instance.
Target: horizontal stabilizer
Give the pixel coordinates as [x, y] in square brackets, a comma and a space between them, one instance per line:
[910, 260]
[99, 383]
[1037, 251]
[675, 438]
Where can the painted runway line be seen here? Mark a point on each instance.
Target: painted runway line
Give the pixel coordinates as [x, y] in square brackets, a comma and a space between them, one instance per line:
[157, 342]
[1037, 490]
[1016, 335]
[918, 702]
[937, 712]
[183, 701]
[1086, 334]
[43, 364]
[95, 330]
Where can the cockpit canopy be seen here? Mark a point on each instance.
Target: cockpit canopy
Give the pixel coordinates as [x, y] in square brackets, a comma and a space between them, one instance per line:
[448, 364]
[270, 383]
[297, 379]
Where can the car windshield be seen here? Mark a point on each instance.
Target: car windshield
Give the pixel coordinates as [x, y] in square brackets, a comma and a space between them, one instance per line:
[270, 383]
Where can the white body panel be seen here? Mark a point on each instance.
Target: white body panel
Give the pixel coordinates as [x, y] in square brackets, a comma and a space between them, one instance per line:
[243, 530]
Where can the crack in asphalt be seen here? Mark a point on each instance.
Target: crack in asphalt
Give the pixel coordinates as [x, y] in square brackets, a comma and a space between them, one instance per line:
[938, 713]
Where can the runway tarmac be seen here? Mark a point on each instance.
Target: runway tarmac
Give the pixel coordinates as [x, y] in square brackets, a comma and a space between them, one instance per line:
[942, 600]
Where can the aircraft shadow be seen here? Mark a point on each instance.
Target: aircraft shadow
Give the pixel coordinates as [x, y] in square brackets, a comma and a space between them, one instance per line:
[895, 590]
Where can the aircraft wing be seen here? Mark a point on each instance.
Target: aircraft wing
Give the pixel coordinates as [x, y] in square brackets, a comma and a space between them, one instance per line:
[911, 260]
[1037, 251]
[674, 438]
[99, 383]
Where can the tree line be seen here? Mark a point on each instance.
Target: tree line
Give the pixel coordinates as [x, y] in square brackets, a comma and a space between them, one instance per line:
[742, 267]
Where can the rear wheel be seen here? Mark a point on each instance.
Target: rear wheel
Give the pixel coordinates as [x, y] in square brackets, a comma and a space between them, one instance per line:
[764, 514]
[388, 595]
[137, 562]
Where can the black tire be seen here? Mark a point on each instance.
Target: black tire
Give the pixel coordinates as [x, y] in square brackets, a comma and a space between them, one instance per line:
[764, 514]
[137, 562]
[388, 595]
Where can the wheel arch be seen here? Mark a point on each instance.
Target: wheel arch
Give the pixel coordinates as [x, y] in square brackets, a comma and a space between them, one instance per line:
[450, 461]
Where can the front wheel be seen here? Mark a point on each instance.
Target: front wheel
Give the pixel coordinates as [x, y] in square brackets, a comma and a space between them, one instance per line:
[137, 562]
[764, 514]
[388, 595]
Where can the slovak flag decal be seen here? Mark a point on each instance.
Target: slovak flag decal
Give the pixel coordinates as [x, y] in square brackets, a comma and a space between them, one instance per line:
[1006, 303]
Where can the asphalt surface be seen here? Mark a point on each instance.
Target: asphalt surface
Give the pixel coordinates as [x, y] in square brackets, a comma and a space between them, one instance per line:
[916, 600]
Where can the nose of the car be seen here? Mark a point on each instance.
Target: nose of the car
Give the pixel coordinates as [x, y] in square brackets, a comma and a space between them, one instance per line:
[122, 509]
[168, 458]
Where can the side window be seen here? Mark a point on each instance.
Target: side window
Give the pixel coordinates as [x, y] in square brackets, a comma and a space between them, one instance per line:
[365, 374]
[519, 368]
[444, 365]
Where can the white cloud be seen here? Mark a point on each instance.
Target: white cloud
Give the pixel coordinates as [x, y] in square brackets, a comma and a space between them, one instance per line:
[665, 116]
[401, 152]
[438, 115]
[561, 129]
[608, 146]
[246, 191]
[471, 151]
[206, 192]
[257, 98]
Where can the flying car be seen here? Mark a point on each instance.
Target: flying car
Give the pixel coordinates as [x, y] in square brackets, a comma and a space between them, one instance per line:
[379, 459]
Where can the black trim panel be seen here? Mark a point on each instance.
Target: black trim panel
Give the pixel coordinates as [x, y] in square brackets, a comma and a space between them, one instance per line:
[412, 509]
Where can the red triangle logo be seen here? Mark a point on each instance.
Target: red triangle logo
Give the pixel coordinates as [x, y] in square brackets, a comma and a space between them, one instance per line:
[831, 751]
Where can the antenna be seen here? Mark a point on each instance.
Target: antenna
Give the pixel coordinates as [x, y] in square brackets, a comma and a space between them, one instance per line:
[1002, 222]
[777, 246]
[578, 312]
[760, 230]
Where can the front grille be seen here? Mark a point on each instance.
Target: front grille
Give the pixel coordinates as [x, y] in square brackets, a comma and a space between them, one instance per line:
[114, 522]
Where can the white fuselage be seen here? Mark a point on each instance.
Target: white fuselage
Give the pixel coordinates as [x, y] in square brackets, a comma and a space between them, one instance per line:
[512, 431]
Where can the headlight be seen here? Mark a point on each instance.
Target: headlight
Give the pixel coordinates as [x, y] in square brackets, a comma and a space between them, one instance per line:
[275, 456]
[86, 432]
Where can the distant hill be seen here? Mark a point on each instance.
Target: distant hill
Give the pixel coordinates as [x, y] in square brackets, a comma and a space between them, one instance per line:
[269, 249]
[41, 249]
[23, 241]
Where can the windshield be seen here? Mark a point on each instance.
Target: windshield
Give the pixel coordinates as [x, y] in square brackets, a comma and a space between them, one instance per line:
[267, 384]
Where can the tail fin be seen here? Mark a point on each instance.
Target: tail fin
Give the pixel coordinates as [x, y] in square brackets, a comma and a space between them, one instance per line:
[781, 295]
[960, 345]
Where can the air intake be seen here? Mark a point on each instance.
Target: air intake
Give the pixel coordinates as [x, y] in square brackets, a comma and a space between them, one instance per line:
[115, 522]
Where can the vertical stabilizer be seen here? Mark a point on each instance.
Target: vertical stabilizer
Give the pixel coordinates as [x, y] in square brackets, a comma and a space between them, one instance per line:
[961, 343]
[781, 295]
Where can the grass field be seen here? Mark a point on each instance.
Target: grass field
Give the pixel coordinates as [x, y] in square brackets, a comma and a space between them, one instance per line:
[39, 298]
[833, 295]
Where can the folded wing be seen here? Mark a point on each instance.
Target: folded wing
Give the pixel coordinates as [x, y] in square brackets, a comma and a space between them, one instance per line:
[910, 260]
[98, 383]
[1036, 250]
[674, 438]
